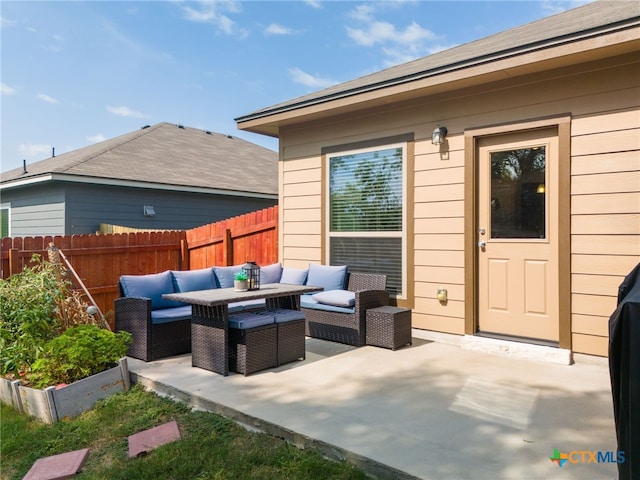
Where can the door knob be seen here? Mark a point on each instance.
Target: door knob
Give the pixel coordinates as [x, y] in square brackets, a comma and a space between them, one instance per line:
[482, 244]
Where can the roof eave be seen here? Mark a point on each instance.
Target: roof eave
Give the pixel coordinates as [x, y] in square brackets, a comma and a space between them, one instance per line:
[59, 177]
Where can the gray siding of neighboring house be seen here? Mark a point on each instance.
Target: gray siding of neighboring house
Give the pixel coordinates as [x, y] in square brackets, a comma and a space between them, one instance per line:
[36, 212]
[90, 205]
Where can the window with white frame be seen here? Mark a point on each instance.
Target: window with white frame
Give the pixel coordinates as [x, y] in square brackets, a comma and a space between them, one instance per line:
[4, 220]
[366, 212]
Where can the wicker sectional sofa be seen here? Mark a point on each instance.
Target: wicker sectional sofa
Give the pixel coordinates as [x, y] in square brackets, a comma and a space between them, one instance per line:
[162, 328]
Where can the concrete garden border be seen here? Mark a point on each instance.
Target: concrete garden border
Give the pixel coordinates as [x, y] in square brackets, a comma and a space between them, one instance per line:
[53, 404]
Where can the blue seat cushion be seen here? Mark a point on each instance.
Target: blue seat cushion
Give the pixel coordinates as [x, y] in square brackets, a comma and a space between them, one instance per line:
[329, 277]
[235, 307]
[252, 304]
[338, 298]
[166, 315]
[191, 280]
[151, 286]
[244, 320]
[226, 275]
[270, 273]
[283, 315]
[307, 301]
[294, 276]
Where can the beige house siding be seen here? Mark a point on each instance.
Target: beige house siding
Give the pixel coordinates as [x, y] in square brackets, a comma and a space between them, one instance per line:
[602, 99]
[605, 218]
[301, 212]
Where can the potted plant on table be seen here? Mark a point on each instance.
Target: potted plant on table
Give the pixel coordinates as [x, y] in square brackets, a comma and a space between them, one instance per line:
[240, 281]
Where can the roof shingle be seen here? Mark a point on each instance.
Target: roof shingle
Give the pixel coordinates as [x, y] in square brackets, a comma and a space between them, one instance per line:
[167, 154]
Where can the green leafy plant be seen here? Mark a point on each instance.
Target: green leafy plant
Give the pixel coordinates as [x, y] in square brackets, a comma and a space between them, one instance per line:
[81, 351]
[28, 304]
[241, 276]
[36, 305]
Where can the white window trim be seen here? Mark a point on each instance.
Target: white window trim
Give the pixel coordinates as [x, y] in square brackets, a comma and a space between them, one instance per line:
[402, 234]
[7, 206]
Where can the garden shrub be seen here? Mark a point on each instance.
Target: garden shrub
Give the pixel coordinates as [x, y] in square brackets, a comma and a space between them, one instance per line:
[37, 305]
[28, 315]
[81, 351]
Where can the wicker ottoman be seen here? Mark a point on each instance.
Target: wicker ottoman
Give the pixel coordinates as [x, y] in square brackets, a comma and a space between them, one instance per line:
[253, 342]
[388, 327]
[291, 339]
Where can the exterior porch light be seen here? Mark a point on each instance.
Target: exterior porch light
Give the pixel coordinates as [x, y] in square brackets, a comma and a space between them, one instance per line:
[540, 188]
[438, 135]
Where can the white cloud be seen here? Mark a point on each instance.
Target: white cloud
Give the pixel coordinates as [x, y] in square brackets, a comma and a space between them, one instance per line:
[362, 13]
[314, 3]
[398, 45]
[384, 32]
[5, 22]
[275, 29]
[96, 138]
[31, 150]
[6, 89]
[46, 98]
[126, 112]
[211, 12]
[308, 80]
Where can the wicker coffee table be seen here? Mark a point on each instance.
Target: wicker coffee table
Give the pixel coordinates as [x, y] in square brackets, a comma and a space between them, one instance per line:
[388, 327]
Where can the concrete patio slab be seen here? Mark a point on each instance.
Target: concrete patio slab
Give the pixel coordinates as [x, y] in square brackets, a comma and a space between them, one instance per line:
[432, 410]
[58, 467]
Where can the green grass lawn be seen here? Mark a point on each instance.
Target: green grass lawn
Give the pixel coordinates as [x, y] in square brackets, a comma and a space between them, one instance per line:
[211, 447]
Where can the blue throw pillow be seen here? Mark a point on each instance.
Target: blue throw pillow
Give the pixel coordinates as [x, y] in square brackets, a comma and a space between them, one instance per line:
[294, 276]
[151, 286]
[338, 298]
[225, 275]
[328, 277]
[190, 280]
[270, 273]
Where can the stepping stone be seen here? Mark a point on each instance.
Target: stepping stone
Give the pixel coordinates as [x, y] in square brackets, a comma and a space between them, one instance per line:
[145, 441]
[64, 465]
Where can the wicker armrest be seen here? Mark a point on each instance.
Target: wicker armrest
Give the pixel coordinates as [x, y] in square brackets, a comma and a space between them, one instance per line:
[132, 310]
[133, 315]
[371, 298]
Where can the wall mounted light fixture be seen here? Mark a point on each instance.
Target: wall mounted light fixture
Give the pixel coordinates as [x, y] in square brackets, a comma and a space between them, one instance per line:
[438, 135]
[540, 188]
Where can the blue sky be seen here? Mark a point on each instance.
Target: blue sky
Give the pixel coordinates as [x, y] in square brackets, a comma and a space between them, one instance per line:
[76, 73]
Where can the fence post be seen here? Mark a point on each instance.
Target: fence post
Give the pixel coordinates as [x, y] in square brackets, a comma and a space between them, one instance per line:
[184, 255]
[227, 245]
[14, 261]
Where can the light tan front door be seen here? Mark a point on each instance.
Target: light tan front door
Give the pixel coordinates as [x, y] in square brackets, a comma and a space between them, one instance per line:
[518, 234]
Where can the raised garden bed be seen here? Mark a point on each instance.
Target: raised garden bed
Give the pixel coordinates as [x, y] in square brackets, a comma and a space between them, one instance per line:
[56, 403]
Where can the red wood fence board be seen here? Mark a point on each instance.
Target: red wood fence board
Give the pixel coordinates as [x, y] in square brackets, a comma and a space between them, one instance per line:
[100, 259]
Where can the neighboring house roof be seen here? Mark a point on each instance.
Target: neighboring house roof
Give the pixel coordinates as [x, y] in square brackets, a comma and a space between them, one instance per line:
[589, 21]
[163, 156]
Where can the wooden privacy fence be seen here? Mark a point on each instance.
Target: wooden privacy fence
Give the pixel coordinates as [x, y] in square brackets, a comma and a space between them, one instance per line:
[99, 260]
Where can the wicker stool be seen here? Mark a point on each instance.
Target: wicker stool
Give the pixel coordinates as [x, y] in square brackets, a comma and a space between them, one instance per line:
[388, 327]
[291, 339]
[253, 342]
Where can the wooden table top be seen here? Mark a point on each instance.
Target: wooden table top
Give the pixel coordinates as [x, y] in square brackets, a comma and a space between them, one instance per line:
[221, 296]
